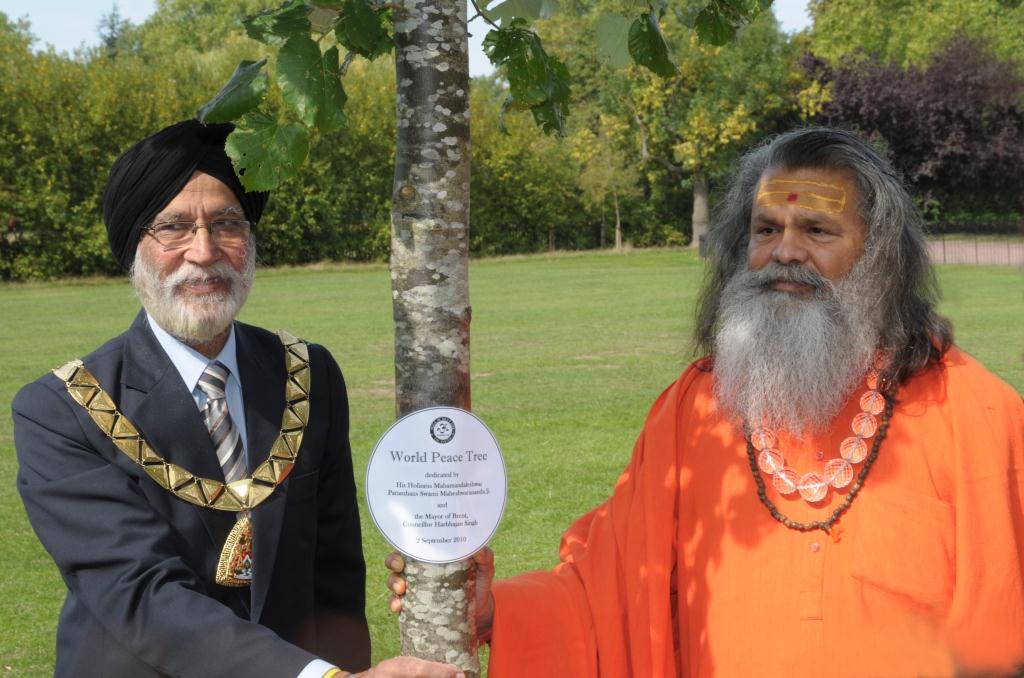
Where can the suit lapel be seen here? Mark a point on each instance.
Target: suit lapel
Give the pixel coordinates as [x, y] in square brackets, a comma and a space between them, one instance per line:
[263, 376]
[153, 390]
[156, 400]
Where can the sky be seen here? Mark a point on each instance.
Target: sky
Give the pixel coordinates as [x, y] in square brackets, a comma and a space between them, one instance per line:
[67, 24]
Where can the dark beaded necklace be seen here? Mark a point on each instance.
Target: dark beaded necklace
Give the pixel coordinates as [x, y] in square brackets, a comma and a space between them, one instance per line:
[823, 525]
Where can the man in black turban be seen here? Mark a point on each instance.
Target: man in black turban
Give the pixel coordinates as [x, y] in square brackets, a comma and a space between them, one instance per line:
[192, 477]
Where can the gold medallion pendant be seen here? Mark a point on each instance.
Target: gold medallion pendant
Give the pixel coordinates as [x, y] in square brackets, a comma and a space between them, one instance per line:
[234, 568]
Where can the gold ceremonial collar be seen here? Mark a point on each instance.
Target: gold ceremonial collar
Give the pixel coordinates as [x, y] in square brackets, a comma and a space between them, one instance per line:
[240, 495]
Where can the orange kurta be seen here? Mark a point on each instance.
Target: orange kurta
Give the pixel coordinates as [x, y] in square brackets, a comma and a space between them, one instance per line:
[682, 572]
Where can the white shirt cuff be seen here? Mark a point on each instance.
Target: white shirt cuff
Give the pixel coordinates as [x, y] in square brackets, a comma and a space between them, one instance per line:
[316, 669]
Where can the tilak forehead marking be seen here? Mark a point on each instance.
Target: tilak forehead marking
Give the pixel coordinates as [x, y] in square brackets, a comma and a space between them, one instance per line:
[812, 195]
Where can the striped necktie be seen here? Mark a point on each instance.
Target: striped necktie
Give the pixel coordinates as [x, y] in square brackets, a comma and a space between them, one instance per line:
[218, 422]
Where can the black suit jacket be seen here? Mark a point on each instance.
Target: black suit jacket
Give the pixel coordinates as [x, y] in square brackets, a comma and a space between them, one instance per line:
[139, 563]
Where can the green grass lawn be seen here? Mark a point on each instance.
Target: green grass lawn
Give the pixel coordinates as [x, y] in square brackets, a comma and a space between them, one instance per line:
[568, 351]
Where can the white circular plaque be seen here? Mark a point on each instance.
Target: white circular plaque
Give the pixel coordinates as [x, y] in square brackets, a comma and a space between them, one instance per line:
[435, 484]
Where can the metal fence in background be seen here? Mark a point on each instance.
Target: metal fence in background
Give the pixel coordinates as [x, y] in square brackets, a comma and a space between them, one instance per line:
[985, 251]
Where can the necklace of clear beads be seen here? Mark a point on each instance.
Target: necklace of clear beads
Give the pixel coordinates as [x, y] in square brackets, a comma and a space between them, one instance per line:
[837, 473]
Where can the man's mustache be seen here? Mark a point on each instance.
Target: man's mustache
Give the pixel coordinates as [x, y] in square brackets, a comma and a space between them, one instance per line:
[794, 273]
[190, 274]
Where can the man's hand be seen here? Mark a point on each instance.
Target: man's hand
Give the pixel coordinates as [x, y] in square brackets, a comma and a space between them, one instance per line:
[410, 667]
[483, 560]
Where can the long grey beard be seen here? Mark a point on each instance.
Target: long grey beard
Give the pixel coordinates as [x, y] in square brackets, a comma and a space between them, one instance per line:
[790, 362]
[193, 318]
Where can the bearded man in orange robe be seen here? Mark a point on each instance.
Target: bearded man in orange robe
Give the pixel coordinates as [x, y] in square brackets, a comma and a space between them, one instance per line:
[836, 490]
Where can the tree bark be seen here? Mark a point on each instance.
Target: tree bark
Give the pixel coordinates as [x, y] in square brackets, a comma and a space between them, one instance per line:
[430, 283]
[701, 216]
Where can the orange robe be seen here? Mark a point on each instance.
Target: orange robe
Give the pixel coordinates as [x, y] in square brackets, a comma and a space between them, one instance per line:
[682, 571]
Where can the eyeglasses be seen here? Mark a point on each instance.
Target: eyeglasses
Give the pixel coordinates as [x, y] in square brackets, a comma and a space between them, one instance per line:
[175, 234]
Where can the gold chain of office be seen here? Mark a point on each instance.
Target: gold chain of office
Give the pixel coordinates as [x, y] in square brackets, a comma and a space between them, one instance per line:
[240, 495]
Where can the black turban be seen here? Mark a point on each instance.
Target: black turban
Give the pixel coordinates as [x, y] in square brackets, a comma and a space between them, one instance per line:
[152, 172]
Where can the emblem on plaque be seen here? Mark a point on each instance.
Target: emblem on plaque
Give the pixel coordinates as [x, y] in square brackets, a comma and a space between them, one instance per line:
[442, 430]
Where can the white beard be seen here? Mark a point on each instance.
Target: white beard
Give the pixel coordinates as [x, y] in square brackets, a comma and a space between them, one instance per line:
[190, 317]
[788, 362]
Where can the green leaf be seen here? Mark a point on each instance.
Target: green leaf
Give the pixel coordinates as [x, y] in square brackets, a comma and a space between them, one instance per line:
[361, 29]
[613, 40]
[311, 83]
[242, 93]
[264, 153]
[551, 114]
[714, 28]
[507, 42]
[527, 81]
[647, 46]
[536, 80]
[718, 21]
[332, 113]
[550, 117]
[276, 26]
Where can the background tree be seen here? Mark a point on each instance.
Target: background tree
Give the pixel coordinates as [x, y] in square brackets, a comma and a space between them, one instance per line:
[116, 34]
[693, 124]
[338, 206]
[523, 183]
[908, 32]
[58, 140]
[954, 127]
[63, 121]
[603, 146]
[607, 177]
[192, 28]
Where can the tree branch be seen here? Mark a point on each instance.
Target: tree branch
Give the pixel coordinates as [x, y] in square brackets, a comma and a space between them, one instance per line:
[480, 13]
[647, 156]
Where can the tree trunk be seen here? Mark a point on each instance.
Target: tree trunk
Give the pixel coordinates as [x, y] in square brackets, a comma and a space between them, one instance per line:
[430, 283]
[618, 222]
[701, 216]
